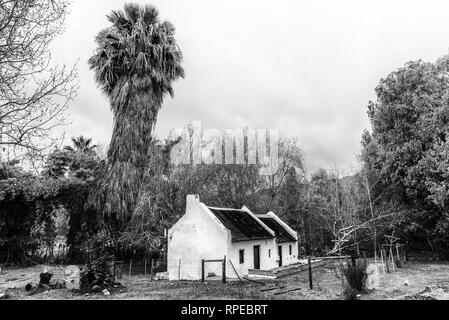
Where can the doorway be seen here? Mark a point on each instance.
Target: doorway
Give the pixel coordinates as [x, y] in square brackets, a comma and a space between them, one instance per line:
[280, 255]
[257, 257]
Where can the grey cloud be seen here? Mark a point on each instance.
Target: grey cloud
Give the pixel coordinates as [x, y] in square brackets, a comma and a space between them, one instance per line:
[305, 68]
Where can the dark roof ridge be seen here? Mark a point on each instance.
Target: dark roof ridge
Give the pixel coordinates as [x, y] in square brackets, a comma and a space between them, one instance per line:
[226, 209]
[243, 225]
[282, 233]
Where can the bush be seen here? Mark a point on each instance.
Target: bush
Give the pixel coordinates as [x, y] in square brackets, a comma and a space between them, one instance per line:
[99, 254]
[350, 293]
[356, 275]
[160, 267]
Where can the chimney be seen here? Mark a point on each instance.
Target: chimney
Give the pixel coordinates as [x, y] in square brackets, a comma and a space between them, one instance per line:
[193, 201]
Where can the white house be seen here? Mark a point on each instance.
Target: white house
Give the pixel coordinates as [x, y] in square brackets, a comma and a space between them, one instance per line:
[248, 240]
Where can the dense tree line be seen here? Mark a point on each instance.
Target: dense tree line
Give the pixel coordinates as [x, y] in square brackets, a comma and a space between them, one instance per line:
[32, 204]
[124, 203]
[407, 152]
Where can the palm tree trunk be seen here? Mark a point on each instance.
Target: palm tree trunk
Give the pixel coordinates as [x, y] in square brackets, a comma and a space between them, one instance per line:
[128, 157]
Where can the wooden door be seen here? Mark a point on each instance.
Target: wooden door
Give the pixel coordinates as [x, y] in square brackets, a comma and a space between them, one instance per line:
[257, 257]
[280, 255]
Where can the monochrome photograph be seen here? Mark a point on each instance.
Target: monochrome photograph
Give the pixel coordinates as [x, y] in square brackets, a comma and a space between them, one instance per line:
[215, 151]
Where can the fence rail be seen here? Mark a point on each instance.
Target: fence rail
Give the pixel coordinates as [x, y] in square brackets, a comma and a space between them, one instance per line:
[133, 267]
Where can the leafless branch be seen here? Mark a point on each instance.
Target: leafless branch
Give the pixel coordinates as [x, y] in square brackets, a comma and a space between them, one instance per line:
[34, 97]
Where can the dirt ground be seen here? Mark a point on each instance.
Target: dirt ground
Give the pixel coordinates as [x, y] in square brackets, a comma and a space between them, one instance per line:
[415, 280]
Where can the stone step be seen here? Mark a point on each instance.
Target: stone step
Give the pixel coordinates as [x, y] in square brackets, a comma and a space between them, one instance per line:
[262, 273]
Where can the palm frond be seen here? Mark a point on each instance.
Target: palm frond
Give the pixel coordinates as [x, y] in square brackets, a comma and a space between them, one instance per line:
[132, 12]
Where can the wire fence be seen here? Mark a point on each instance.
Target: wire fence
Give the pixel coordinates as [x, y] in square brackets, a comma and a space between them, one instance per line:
[136, 267]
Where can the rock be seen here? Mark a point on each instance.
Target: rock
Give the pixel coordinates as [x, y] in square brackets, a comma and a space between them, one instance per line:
[45, 278]
[72, 279]
[12, 279]
[161, 276]
[4, 296]
[97, 288]
[436, 294]
[44, 287]
[418, 296]
[28, 287]
[106, 292]
[373, 276]
[406, 283]
[59, 284]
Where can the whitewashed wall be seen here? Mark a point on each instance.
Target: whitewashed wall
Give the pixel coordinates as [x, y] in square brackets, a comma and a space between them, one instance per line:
[266, 262]
[200, 235]
[197, 235]
[286, 257]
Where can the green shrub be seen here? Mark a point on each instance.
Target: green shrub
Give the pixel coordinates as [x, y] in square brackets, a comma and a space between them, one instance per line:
[99, 254]
[350, 293]
[355, 275]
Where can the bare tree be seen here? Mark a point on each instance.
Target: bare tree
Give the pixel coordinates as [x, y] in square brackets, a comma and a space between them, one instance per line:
[34, 96]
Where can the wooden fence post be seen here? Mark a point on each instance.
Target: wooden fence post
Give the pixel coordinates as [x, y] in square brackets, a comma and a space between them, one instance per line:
[406, 251]
[113, 270]
[309, 262]
[397, 253]
[202, 270]
[120, 273]
[235, 271]
[382, 260]
[130, 266]
[386, 260]
[392, 258]
[145, 262]
[151, 268]
[224, 269]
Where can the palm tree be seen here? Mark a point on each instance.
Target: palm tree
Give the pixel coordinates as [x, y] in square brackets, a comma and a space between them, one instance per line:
[81, 145]
[135, 64]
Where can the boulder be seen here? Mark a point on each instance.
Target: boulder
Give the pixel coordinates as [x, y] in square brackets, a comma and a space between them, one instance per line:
[45, 278]
[72, 279]
[161, 276]
[97, 288]
[373, 279]
[4, 296]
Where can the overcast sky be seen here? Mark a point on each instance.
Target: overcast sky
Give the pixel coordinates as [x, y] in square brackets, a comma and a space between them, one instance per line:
[307, 68]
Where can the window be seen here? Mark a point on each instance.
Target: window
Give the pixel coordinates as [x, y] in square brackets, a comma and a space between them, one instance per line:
[269, 253]
[242, 256]
[290, 248]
